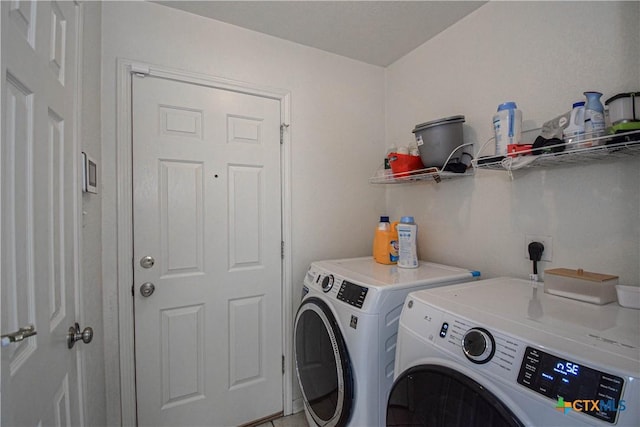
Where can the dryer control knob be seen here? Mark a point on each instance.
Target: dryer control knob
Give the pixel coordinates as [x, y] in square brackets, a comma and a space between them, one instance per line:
[478, 345]
[327, 283]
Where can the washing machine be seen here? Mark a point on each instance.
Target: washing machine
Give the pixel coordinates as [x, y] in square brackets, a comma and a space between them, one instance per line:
[345, 335]
[504, 353]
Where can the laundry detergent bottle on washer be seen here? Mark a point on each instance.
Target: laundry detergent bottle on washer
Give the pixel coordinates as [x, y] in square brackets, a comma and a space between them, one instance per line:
[385, 242]
[407, 237]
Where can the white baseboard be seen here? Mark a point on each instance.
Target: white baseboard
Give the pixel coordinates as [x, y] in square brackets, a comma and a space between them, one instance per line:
[298, 405]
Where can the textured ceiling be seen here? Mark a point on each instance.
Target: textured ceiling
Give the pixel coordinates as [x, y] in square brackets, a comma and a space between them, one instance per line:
[375, 32]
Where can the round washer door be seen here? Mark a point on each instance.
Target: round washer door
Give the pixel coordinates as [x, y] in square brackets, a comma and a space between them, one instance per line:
[322, 364]
[434, 396]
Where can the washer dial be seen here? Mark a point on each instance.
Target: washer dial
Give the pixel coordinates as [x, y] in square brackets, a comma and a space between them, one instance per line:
[327, 283]
[478, 345]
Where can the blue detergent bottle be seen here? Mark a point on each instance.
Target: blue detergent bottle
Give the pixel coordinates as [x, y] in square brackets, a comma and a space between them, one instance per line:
[593, 116]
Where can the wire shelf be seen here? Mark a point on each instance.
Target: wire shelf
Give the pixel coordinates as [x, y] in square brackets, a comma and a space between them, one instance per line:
[428, 174]
[384, 176]
[603, 148]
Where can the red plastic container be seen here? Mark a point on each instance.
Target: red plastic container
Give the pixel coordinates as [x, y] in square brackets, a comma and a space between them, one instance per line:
[514, 150]
[404, 164]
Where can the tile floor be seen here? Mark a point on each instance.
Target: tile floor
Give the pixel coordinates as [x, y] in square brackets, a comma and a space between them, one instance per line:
[295, 420]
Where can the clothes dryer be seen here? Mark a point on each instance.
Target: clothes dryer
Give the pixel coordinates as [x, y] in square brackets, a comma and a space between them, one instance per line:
[345, 335]
[504, 353]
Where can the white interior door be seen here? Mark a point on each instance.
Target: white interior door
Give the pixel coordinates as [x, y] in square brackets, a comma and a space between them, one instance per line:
[207, 210]
[39, 211]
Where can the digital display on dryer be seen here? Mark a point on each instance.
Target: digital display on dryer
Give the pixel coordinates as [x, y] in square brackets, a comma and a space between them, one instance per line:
[587, 390]
[352, 294]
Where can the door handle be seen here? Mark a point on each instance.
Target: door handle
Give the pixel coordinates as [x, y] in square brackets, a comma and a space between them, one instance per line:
[76, 335]
[147, 261]
[146, 289]
[19, 335]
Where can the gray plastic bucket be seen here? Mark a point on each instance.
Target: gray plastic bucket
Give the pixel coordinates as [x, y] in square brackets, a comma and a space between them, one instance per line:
[437, 139]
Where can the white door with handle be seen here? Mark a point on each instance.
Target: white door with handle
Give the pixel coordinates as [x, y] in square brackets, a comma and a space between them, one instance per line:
[207, 254]
[39, 214]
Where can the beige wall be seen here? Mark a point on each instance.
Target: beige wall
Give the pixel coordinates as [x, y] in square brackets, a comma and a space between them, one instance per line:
[543, 56]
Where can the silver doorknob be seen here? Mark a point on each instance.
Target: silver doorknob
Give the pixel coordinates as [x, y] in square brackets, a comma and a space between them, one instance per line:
[76, 335]
[146, 289]
[147, 261]
[19, 335]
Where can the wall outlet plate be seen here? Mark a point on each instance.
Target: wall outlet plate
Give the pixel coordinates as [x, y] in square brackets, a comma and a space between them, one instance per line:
[547, 241]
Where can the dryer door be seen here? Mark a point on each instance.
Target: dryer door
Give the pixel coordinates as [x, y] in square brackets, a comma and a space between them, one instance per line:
[323, 365]
[434, 396]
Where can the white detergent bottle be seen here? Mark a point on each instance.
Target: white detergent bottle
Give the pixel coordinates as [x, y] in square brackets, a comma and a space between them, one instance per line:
[407, 236]
[574, 132]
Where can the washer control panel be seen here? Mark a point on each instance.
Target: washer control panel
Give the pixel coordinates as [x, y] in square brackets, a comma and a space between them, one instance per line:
[553, 376]
[352, 294]
[498, 352]
[336, 287]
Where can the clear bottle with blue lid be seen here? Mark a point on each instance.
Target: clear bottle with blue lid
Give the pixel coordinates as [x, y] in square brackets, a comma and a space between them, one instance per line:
[407, 241]
[594, 125]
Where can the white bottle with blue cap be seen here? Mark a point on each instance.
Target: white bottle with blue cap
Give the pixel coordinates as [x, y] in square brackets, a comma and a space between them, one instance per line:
[574, 132]
[507, 124]
[407, 236]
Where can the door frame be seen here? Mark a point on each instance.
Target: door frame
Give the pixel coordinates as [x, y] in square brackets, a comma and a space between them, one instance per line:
[124, 218]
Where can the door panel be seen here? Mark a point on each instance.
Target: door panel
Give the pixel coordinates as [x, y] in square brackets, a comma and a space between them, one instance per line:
[182, 337]
[207, 208]
[245, 216]
[39, 211]
[247, 339]
[18, 290]
[181, 218]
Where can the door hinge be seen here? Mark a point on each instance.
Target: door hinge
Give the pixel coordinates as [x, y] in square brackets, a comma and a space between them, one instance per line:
[133, 290]
[283, 364]
[282, 249]
[283, 126]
